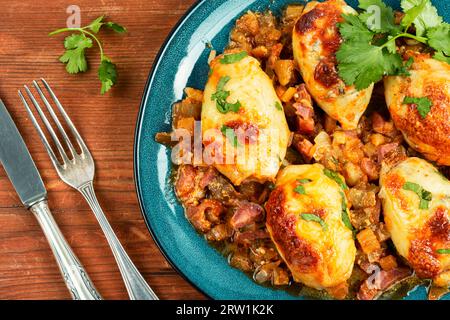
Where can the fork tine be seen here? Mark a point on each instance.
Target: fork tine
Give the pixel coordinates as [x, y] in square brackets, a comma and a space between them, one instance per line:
[40, 132]
[47, 125]
[55, 119]
[69, 122]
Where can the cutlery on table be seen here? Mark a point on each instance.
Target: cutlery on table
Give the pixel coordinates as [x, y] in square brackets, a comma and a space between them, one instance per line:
[77, 170]
[27, 181]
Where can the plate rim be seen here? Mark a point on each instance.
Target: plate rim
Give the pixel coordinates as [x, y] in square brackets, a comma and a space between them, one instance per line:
[137, 135]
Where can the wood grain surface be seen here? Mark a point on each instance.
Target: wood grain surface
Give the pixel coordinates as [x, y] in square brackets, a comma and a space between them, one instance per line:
[27, 267]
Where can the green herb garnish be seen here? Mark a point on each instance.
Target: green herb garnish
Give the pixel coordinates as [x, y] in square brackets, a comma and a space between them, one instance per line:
[336, 177]
[443, 251]
[315, 218]
[76, 44]
[344, 214]
[221, 97]
[369, 51]
[300, 189]
[424, 195]
[233, 58]
[423, 105]
[278, 106]
[229, 133]
[303, 181]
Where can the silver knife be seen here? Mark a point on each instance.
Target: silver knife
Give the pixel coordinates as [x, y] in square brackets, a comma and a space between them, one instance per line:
[25, 177]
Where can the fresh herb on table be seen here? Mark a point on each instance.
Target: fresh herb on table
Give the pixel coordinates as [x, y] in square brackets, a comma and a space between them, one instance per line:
[221, 97]
[443, 251]
[423, 105]
[369, 51]
[315, 218]
[76, 44]
[233, 57]
[424, 195]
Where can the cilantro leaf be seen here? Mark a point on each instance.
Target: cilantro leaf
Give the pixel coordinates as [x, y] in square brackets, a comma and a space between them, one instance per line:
[315, 218]
[221, 96]
[362, 64]
[422, 13]
[424, 195]
[441, 57]
[336, 177]
[77, 43]
[344, 214]
[95, 25]
[423, 105]
[98, 23]
[300, 189]
[233, 58]
[378, 17]
[116, 27]
[439, 38]
[354, 29]
[107, 74]
[443, 251]
[278, 106]
[74, 57]
[303, 181]
[403, 71]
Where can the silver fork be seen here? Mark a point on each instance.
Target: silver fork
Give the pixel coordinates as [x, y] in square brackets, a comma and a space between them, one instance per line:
[78, 172]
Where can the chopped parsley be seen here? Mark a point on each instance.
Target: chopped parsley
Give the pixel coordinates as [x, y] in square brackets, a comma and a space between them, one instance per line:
[424, 195]
[344, 214]
[315, 218]
[443, 251]
[278, 106]
[233, 58]
[300, 189]
[221, 97]
[229, 133]
[336, 177]
[423, 105]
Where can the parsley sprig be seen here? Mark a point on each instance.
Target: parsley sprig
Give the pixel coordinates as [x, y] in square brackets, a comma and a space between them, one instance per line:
[369, 51]
[76, 44]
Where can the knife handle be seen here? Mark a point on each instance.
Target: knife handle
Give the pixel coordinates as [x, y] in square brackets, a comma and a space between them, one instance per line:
[76, 278]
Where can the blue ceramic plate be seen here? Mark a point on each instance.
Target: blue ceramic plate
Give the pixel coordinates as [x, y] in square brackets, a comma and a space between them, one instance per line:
[182, 62]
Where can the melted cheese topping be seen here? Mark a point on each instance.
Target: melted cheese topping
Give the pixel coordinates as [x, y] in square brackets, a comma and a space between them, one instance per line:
[418, 233]
[429, 78]
[320, 257]
[259, 157]
[315, 42]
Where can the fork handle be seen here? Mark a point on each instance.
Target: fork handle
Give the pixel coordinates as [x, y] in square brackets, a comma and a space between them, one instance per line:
[75, 276]
[137, 287]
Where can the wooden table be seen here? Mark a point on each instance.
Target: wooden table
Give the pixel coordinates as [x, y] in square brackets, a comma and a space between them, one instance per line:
[27, 266]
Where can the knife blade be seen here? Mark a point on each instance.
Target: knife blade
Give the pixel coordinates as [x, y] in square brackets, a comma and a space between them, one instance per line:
[17, 161]
[27, 181]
